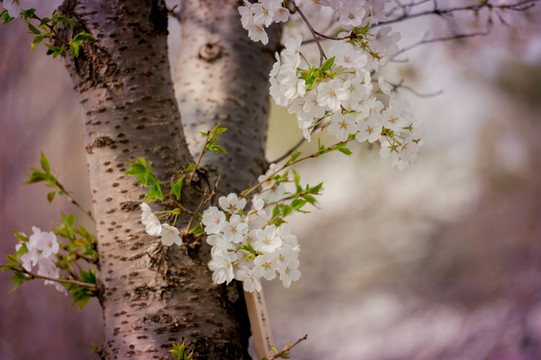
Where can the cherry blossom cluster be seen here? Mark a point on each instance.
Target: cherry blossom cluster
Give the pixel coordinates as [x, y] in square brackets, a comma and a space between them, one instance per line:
[352, 13]
[245, 244]
[42, 248]
[339, 95]
[169, 234]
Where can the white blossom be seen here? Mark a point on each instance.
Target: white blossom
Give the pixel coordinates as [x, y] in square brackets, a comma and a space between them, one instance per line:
[250, 278]
[151, 222]
[213, 219]
[170, 235]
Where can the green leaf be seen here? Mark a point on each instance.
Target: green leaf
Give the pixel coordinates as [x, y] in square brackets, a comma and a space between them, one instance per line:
[275, 211]
[286, 210]
[88, 276]
[36, 176]
[196, 230]
[12, 258]
[141, 169]
[80, 295]
[44, 163]
[155, 192]
[9, 266]
[4, 15]
[28, 14]
[216, 148]
[22, 250]
[310, 199]
[74, 50]
[316, 189]
[297, 204]
[80, 37]
[37, 40]
[44, 21]
[179, 352]
[190, 167]
[176, 187]
[50, 196]
[20, 236]
[34, 29]
[18, 278]
[342, 147]
[294, 156]
[327, 64]
[297, 178]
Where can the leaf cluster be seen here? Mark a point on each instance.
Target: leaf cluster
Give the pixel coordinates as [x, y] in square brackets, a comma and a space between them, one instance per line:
[179, 352]
[146, 177]
[45, 175]
[301, 196]
[315, 74]
[46, 29]
[212, 138]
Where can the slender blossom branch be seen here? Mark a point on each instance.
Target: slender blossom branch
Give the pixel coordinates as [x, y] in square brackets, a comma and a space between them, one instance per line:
[296, 146]
[291, 163]
[288, 348]
[63, 281]
[290, 151]
[322, 55]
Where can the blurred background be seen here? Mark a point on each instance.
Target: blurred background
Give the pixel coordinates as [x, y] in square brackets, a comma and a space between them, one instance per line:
[440, 261]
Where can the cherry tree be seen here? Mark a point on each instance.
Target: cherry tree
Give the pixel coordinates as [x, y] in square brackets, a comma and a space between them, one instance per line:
[189, 216]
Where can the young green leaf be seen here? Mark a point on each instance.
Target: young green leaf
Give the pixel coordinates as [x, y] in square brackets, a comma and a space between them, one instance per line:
[176, 187]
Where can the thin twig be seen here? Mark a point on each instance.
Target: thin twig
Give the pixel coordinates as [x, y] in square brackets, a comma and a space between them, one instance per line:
[296, 146]
[73, 201]
[413, 91]
[288, 348]
[204, 200]
[190, 179]
[322, 55]
[519, 6]
[290, 151]
[64, 281]
[289, 164]
[441, 39]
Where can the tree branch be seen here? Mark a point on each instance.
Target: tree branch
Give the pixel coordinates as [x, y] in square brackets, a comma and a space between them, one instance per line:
[288, 348]
[519, 6]
[438, 39]
[322, 55]
[63, 281]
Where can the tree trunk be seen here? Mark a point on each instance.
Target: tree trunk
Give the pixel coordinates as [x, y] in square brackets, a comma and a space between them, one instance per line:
[153, 296]
[222, 77]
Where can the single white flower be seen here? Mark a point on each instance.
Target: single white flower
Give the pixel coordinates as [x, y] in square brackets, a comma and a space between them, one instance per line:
[250, 278]
[44, 241]
[290, 272]
[213, 219]
[266, 239]
[13, 7]
[232, 204]
[151, 222]
[234, 229]
[330, 94]
[257, 33]
[170, 235]
[222, 268]
[29, 258]
[267, 264]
